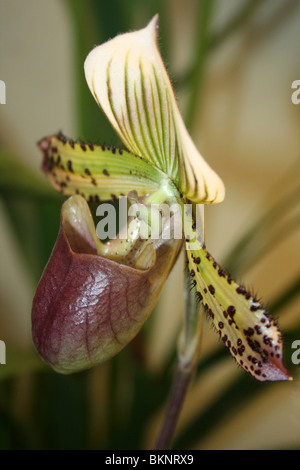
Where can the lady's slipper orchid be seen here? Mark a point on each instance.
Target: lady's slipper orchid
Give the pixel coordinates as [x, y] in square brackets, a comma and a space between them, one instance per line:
[88, 307]
[93, 298]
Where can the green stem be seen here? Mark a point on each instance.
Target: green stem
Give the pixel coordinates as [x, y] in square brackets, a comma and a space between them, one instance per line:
[180, 386]
[191, 335]
[188, 352]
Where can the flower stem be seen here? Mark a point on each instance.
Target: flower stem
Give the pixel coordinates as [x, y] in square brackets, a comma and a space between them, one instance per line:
[181, 383]
[188, 351]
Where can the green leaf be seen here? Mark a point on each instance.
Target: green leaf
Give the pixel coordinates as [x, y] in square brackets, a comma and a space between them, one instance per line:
[32, 208]
[17, 179]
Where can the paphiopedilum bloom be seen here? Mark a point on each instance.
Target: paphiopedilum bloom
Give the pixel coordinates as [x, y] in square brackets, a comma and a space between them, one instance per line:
[94, 297]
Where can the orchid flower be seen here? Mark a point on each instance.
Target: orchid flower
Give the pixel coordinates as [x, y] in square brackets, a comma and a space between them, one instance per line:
[94, 297]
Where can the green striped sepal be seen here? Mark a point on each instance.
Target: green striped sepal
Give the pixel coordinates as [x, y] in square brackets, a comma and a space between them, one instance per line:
[128, 79]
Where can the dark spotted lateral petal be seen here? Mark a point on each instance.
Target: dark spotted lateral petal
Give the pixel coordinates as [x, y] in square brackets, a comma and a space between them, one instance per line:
[96, 172]
[243, 324]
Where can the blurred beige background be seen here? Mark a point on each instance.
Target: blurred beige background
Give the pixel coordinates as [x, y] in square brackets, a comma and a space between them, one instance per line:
[248, 131]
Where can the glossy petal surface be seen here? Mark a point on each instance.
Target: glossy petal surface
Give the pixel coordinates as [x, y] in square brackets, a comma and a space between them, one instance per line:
[87, 307]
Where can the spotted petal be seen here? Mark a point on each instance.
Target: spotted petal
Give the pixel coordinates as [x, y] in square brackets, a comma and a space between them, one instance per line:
[96, 172]
[128, 79]
[242, 322]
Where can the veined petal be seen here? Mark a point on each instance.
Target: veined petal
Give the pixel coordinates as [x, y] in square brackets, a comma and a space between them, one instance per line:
[96, 172]
[128, 79]
[87, 307]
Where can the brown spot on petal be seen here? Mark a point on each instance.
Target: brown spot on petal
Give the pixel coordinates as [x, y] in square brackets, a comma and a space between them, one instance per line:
[211, 289]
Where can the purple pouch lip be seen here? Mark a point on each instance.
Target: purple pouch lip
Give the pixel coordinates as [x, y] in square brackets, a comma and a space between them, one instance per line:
[86, 307]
